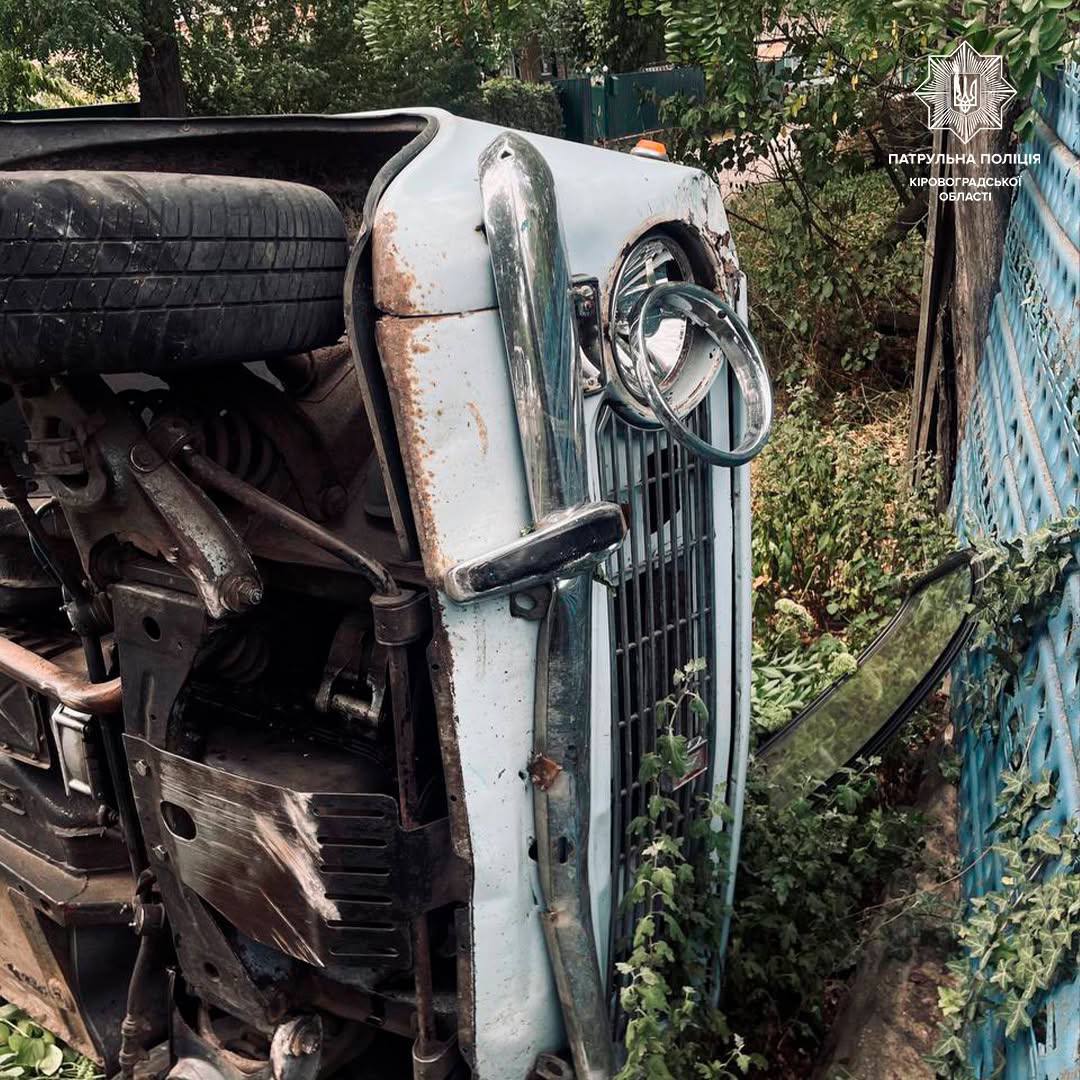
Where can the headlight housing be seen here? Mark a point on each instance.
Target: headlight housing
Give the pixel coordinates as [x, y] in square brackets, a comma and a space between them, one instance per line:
[655, 260]
[670, 339]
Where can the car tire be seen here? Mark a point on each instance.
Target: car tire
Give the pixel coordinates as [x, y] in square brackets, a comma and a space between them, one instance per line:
[111, 271]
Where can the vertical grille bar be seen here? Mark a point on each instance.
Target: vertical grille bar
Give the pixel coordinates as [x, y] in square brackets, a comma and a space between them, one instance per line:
[661, 617]
[662, 465]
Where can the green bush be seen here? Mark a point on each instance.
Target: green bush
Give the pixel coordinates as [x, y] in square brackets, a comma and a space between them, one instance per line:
[806, 871]
[837, 524]
[824, 310]
[788, 675]
[527, 106]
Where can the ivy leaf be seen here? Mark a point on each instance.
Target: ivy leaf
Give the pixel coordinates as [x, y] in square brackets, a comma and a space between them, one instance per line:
[1015, 1015]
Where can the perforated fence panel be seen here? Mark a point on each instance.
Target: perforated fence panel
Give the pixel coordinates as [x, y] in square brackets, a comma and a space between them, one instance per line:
[1019, 467]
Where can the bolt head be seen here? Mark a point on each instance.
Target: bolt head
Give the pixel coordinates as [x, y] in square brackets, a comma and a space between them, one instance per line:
[241, 592]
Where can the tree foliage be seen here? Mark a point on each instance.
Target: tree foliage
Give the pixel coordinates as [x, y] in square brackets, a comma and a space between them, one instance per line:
[834, 98]
[273, 56]
[621, 38]
[522, 105]
[93, 44]
[29, 84]
[267, 56]
[843, 63]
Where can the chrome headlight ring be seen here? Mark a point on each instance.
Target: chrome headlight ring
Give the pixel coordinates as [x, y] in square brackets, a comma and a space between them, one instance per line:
[721, 337]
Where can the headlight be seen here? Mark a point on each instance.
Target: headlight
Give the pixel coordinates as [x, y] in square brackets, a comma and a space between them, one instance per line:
[656, 260]
[717, 337]
[671, 338]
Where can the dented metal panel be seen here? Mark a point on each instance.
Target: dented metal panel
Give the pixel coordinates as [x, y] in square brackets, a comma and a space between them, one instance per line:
[440, 340]
[437, 262]
[457, 433]
[326, 877]
[469, 494]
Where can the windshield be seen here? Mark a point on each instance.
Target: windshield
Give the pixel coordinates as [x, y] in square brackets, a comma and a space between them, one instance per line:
[847, 718]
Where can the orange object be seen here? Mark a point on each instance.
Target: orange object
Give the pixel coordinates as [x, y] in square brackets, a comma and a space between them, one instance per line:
[650, 148]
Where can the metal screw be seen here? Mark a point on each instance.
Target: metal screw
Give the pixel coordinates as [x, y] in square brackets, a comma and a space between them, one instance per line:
[144, 458]
[142, 768]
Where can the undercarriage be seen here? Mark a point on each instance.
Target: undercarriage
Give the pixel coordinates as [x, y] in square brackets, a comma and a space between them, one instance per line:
[226, 835]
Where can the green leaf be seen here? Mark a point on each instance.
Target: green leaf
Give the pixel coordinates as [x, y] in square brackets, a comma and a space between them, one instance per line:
[50, 1063]
[1015, 1015]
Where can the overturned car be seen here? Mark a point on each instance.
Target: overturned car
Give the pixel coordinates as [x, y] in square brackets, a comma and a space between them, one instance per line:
[368, 478]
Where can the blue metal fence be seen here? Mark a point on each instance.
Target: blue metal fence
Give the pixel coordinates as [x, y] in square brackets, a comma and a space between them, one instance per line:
[1019, 467]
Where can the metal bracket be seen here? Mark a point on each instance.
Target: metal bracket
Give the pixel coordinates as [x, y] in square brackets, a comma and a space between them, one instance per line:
[400, 618]
[327, 878]
[530, 604]
[55, 457]
[590, 333]
[439, 1063]
[70, 731]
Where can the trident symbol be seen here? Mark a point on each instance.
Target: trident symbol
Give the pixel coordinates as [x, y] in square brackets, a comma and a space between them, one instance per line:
[965, 91]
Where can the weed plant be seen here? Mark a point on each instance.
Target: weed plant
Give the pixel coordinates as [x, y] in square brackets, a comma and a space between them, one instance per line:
[28, 1051]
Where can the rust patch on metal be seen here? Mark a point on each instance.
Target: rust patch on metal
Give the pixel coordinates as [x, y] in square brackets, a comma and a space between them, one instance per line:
[481, 425]
[394, 285]
[32, 976]
[441, 672]
[396, 340]
[543, 772]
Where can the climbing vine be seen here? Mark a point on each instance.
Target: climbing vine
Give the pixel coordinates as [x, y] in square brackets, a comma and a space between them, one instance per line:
[673, 1030]
[806, 869]
[1022, 938]
[1020, 587]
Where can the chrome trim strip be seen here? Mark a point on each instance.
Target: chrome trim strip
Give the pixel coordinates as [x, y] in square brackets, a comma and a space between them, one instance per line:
[533, 285]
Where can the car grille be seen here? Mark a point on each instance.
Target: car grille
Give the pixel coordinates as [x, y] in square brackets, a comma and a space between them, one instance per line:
[661, 617]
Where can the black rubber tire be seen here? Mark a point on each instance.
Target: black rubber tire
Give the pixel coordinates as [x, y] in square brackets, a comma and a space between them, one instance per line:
[109, 271]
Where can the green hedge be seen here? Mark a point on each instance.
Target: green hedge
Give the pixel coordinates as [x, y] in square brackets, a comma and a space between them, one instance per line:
[524, 105]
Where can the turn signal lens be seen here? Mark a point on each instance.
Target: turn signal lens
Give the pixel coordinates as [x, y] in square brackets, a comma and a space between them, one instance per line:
[650, 148]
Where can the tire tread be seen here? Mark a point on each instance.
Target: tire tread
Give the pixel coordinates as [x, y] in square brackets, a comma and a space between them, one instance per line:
[108, 272]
